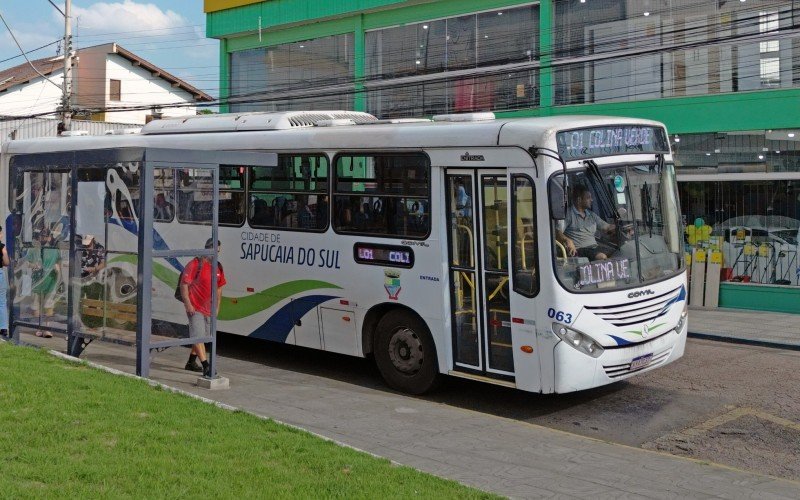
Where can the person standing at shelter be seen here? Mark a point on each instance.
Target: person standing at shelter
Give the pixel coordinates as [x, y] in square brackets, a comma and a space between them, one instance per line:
[196, 295]
[46, 264]
[93, 257]
[4, 262]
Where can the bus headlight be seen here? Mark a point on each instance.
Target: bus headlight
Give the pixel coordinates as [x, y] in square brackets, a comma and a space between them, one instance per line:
[682, 319]
[578, 340]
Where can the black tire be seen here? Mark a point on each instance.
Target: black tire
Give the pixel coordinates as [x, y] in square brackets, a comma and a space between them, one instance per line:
[405, 353]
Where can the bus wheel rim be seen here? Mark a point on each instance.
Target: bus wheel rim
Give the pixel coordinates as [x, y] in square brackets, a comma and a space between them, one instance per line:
[406, 351]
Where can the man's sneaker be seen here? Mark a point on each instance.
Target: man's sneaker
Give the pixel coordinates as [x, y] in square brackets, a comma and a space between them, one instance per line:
[193, 367]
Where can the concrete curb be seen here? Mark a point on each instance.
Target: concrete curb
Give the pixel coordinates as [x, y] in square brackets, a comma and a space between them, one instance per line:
[745, 341]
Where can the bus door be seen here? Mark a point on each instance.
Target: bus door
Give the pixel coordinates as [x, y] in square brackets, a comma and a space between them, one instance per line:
[477, 212]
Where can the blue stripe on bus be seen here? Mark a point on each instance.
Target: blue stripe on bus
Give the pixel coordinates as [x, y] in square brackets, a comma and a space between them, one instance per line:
[158, 241]
[278, 327]
[620, 340]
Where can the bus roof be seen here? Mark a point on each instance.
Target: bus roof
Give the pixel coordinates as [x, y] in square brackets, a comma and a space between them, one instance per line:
[305, 131]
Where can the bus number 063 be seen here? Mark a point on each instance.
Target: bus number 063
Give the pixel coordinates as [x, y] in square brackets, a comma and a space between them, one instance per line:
[559, 315]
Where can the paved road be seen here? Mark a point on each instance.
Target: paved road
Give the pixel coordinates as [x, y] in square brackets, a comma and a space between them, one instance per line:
[726, 403]
[483, 435]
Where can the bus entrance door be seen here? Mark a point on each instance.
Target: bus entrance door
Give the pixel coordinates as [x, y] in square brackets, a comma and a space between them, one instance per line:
[477, 211]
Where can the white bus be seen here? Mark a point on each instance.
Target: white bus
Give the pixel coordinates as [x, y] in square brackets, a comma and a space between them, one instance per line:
[543, 254]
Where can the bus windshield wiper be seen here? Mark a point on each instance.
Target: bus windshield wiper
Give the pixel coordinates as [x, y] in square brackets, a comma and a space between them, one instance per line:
[647, 206]
[603, 188]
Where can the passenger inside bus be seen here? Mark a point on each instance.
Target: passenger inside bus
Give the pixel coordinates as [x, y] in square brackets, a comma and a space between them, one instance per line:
[162, 209]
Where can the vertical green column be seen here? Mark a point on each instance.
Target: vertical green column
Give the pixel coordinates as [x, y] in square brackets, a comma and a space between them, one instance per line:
[224, 75]
[359, 52]
[546, 57]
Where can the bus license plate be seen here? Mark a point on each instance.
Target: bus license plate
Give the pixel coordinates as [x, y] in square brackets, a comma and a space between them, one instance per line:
[641, 361]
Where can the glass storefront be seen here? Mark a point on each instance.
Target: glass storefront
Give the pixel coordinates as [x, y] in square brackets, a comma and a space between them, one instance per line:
[740, 194]
[648, 49]
[484, 61]
[275, 78]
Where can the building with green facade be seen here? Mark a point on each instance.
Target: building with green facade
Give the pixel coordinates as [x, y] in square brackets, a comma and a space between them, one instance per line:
[723, 75]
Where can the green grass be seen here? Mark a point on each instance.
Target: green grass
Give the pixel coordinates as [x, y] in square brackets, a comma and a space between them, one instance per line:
[68, 430]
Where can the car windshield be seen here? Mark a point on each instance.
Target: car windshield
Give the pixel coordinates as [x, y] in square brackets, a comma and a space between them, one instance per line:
[621, 226]
[787, 236]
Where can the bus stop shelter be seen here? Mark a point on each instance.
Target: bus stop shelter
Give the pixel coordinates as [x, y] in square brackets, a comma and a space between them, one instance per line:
[98, 240]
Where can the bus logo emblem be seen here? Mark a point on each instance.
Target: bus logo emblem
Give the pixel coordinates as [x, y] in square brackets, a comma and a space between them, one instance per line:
[468, 157]
[392, 283]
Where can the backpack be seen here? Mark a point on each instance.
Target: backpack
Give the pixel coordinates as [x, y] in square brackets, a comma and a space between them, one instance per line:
[178, 294]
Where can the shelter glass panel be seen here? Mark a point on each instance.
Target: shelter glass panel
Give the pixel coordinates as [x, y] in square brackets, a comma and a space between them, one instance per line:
[104, 281]
[39, 246]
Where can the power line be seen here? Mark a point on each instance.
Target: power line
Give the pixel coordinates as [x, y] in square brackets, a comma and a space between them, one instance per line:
[30, 51]
[22, 52]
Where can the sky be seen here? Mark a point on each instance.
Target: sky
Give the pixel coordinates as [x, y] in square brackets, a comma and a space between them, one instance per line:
[167, 33]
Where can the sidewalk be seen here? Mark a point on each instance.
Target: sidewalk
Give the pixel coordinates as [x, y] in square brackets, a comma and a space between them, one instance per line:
[496, 454]
[769, 329]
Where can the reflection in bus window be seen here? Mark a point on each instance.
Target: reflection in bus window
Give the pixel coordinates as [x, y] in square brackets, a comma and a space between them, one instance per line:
[385, 195]
[622, 218]
[495, 210]
[460, 196]
[292, 195]
[164, 189]
[195, 196]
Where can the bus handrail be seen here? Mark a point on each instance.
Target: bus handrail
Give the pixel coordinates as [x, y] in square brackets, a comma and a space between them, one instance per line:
[471, 245]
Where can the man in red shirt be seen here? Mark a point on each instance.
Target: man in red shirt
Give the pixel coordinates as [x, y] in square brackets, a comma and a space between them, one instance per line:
[196, 294]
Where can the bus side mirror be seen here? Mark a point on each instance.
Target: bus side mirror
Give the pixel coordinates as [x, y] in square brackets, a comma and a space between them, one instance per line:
[557, 198]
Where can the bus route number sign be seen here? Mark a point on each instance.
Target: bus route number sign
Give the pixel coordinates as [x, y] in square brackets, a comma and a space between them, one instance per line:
[383, 255]
[603, 271]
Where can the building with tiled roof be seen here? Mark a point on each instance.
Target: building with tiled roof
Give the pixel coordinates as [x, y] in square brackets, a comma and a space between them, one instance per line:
[105, 77]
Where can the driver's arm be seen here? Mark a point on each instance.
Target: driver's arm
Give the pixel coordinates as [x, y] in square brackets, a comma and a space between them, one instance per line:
[569, 245]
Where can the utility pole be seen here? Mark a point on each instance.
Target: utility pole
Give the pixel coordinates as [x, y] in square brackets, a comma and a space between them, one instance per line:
[66, 107]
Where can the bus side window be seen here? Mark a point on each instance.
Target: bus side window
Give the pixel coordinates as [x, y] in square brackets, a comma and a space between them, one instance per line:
[293, 195]
[525, 241]
[386, 195]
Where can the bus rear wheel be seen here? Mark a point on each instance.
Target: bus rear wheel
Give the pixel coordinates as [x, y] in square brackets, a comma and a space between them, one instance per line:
[405, 353]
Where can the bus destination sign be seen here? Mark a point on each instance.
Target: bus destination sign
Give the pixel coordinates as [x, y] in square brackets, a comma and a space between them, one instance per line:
[603, 271]
[604, 141]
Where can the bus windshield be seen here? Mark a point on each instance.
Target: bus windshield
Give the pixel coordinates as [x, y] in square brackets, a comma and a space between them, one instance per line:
[621, 226]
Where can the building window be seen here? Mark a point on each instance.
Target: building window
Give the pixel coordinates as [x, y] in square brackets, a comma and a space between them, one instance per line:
[305, 75]
[654, 49]
[458, 64]
[292, 195]
[769, 50]
[383, 195]
[115, 90]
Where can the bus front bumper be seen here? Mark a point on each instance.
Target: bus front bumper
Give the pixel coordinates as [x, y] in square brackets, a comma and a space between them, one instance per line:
[576, 371]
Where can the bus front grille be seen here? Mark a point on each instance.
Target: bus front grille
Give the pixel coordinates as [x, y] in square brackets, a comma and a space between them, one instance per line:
[637, 312]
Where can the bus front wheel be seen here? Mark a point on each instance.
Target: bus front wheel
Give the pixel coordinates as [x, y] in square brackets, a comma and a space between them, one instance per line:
[405, 353]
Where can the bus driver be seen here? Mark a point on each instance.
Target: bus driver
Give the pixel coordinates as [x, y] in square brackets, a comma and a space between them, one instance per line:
[577, 231]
